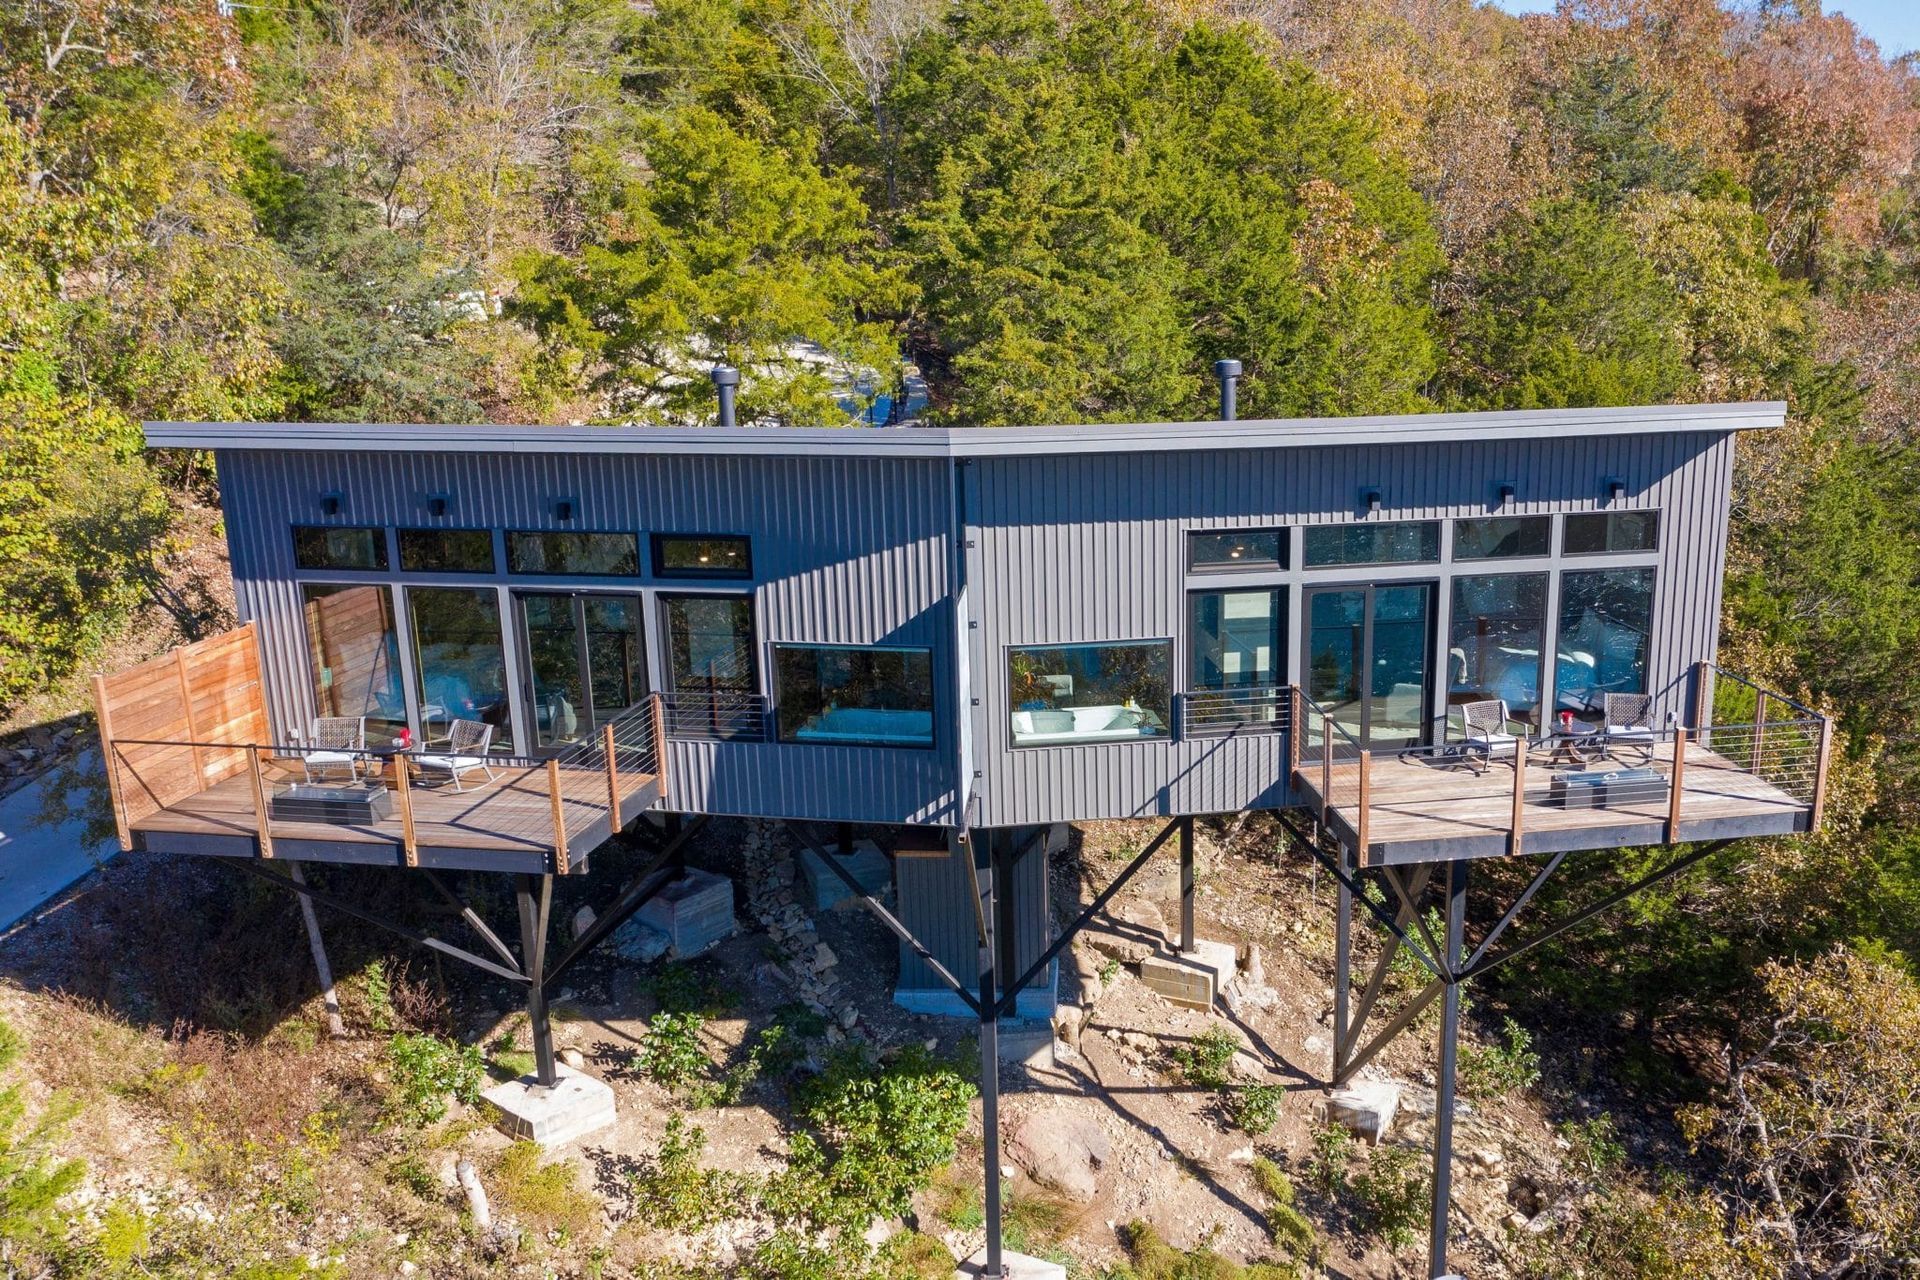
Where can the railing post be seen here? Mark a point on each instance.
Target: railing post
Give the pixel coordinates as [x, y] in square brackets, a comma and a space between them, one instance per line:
[263, 820]
[110, 757]
[1701, 707]
[1517, 833]
[1366, 794]
[1677, 781]
[1326, 767]
[1759, 729]
[559, 818]
[613, 781]
[1820, 773]
[403, 797]
[1294, 729]
[660, 741]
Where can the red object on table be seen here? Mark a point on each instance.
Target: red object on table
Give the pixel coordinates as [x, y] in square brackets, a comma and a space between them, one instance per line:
[1566, 722]
[405, 739]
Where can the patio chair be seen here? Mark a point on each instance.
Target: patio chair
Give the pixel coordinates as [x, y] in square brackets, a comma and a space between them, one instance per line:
[1629, 720]
[338, 742]
[466, 753]
[1488, 728]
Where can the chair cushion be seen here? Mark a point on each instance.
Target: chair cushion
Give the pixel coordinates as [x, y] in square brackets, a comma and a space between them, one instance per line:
[1637, 733]
[328, 757]
[452, 762]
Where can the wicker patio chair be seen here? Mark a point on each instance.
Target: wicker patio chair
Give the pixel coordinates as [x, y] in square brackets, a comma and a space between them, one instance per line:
[467, 745]
[1629, 720]
[1489, 732]
[338, 744]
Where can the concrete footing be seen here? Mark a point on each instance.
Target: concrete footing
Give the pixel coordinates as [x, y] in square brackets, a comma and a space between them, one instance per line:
[1192, 978]
[695, 911]
[577, 1105]
[866, 864]
[1015, 1266]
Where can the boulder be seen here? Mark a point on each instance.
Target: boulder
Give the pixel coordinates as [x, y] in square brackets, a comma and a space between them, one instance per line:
[638, 942]
[1061, 1150]
[1366, 1107]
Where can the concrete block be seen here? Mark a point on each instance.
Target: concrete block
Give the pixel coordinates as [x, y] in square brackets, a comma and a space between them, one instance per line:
[694, 911]
[1015, 1266]
[866, 864]
[1192, 978]
[1026, 1041]
[577, 1105]
[1366, 1107]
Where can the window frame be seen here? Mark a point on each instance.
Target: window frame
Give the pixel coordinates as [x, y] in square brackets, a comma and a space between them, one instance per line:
[780, 728]
[1284, 533]
[384, 553]
[662, 604]
[1566, 528]
[1167, 645]
[1544, 522]
[657, 546]
[400, 547]
[515, 571]
[1306, 542]
[1281, 593]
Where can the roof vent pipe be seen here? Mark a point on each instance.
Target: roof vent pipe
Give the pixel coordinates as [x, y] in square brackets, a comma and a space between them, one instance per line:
[725, 379]
[1228, 371]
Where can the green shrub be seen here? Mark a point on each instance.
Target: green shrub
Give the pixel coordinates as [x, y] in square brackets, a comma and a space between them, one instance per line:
[1254, 1108]
[670, 1054]
[1492, 1071]
[1327, 1161]
[679, 988]
[673, 1193]
[1207, 1060]
[1289, 1227]
[1034, 1221]
[1154, 1259]
[426, 1070]
[914, 1255]
[1595, 1143]
[1392, 1191]
[378, 994]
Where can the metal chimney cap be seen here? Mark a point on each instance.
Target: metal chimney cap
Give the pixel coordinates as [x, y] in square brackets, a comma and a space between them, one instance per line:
[725, 375]
[1227, 368]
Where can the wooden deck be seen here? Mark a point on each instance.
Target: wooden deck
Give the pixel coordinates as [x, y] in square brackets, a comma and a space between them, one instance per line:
[503, 825]
[1425, 806]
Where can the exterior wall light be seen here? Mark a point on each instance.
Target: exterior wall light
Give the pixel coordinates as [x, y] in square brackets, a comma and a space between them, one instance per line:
[1617, 489]
[330, 504]
[563, 508]
[437, 505]
[1370, 499]
[1507, 492]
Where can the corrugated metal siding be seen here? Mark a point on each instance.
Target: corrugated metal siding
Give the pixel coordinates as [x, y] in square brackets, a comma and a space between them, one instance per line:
[846, 551]
[934, 898]
[1091, 547]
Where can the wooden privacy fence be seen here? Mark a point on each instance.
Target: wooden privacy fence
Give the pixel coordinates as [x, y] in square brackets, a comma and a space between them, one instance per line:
[180, 723]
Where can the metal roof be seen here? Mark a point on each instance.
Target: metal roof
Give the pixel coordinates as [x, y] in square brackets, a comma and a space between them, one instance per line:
[971, 442]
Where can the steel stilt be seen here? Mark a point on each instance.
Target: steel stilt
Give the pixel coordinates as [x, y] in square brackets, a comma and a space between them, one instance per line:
[990, 1061]
[535, 895]
[1186, 883]
[1449, 1068]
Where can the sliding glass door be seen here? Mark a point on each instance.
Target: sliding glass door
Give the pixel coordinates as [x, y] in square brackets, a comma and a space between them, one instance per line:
[1369, 659]
[584, 663]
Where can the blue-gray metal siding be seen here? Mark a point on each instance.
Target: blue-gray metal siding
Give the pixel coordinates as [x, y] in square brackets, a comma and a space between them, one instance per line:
[1091, 547]
[848, 551]
[934, 898]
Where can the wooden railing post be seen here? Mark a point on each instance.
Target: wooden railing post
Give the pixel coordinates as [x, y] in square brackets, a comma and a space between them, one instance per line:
[556, 798]
[1366, 797]
[1702, 709]
[1326, 767]
[403, 796]
[1759, 729]
[1294, 729]
[1820, 772]
[263, 816]
[1517, 823]
[1677, 783]
[110, 758]
[613, 781]
[660, 741]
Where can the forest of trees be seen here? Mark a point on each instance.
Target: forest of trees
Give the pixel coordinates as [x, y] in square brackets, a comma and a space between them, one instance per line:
[565, 210]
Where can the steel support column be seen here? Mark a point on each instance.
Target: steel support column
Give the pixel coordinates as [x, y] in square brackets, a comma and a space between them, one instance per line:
[535, 895]
[1449, 1068]
[1186, 883]
[1342, 977]
[990, 888]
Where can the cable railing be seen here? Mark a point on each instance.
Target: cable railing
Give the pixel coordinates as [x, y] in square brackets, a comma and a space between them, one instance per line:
[716, 716]
[1226, 713]
[485, 800]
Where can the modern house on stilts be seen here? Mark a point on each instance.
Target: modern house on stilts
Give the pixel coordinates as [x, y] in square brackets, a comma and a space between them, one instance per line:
[1423, 640]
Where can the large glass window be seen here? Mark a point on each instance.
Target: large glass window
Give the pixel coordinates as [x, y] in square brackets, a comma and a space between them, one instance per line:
[1413, 542]
[460, 661]
[354, 655]
[688, 556]
[615, 555]
[446, 550]
[1235, 638]
[840, 694]
[1499, 629]
[1599, 532]
[1090, 692]
[318, 546]
[710, 644]
[1497, 537]
[1605, 620]
[1237, 549]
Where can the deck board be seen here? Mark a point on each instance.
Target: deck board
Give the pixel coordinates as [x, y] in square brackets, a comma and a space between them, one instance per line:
[1423, 809]
[506, 824]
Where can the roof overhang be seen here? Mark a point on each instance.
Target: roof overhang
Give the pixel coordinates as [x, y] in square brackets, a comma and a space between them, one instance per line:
[972, 442]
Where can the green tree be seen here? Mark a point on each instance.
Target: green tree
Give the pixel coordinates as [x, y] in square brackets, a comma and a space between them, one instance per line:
[1611, 125]
[1567, 311]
